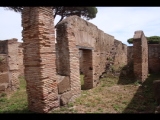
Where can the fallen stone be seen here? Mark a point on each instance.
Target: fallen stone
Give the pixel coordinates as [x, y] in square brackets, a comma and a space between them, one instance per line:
[63, 84]
[3, 86]
[65, 97]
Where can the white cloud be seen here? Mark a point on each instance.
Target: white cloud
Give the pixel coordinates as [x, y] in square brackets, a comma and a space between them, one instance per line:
[10, 25]
[120, 22]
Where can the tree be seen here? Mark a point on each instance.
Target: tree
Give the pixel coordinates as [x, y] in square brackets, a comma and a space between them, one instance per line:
[151, 40]
[85, 12]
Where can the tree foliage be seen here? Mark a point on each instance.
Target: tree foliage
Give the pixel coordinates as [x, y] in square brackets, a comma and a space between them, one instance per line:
[151, 40]
[85, 12]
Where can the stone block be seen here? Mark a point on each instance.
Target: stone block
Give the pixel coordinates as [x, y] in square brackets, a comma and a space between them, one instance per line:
[64, 84]
[3, 86]
[65, 97]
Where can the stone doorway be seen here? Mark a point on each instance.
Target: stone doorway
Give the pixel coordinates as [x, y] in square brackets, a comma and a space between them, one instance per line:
[86, 69]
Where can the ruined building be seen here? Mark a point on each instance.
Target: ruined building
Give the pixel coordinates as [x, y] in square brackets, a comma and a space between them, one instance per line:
[52, 71]
[11, 64]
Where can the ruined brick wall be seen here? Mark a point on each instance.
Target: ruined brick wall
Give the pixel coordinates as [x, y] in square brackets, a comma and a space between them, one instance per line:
[4, 73]
[62, 53]
[81, 61]
[102, 55]
[39, 58]
[154, 58]
[3, 47]
[20, 59]
[82, 35]
[129, 54]
[10, 65]
[13, 63]
[4, 69]
[140, 56]
[119, 53]
[68, 53]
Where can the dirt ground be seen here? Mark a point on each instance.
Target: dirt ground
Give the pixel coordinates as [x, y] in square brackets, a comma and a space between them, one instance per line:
[113, 96]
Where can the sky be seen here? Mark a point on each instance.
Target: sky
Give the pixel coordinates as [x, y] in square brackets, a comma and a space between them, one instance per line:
[120, 22]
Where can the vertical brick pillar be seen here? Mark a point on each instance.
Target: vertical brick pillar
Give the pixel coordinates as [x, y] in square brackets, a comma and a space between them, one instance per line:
[39, 58]
[68, 58]
[140, 56]
[12, 51]
[73, 65]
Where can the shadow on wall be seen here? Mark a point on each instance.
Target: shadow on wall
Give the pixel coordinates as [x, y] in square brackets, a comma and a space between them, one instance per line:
[127, 74]
[143, 100]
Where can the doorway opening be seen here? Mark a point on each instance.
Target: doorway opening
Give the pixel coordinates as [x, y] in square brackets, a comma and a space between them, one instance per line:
[86, 68]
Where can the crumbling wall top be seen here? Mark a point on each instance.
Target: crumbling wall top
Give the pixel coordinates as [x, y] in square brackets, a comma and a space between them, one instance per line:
[77, 22]
[138, 34]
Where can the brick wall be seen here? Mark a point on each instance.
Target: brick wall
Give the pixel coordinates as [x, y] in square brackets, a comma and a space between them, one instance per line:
[129, 54]
[74, 35]
[119, 53]
[154, 58]
[20, 59]
[4, 73]
[9, 67]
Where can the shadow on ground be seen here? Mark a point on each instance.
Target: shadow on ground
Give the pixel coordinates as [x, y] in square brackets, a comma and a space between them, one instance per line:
[143, 100]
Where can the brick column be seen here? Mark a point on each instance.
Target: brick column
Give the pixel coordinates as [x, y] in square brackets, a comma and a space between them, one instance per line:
[39, 58]
[74, 66]
[140, 56]
[12, 51]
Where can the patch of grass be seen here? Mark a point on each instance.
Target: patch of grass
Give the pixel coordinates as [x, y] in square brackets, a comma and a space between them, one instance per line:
[82, 79]
[103, 85]
[1, 59]
[107, 97]
[137, 83]
[100, 110]
[116, 107]
[66, 109]
[17, 102]
[3, 99]
[125, 102]
[3, 94]
[108, 82]
[70, 105]
[143, 99]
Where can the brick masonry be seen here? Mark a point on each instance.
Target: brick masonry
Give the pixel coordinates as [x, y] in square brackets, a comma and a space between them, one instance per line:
[10, 64]
[140, 56]
[154, 58]
[39, 58]
[130, 54]
[76, 37]
[52, 71]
